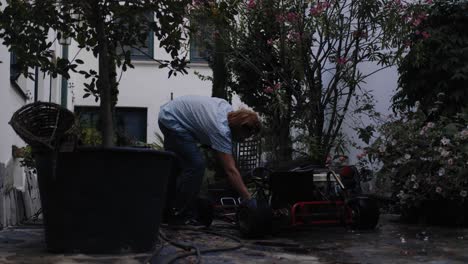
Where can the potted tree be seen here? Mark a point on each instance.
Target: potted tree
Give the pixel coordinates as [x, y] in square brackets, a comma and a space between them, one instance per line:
[101, 198]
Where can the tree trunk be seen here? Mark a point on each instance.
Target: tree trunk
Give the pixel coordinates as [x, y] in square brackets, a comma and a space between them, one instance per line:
[104, 85]
[220, 72]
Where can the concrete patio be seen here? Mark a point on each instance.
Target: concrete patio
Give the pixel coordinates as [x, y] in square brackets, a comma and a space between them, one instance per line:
[391, 242]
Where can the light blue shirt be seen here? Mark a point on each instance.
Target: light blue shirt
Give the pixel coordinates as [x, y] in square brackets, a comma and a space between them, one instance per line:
[205, 118]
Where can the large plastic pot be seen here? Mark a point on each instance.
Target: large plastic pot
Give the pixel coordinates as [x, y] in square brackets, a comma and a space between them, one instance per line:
[98, 200]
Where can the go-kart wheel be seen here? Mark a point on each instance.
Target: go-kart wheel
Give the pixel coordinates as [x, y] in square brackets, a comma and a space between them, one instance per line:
[364, 213]
[255, 223]
[205, 211]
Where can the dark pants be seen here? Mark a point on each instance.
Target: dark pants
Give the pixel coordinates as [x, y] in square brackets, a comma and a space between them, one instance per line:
[192, 163]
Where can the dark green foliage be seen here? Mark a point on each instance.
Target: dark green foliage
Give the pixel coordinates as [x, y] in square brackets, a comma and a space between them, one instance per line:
[439, 63]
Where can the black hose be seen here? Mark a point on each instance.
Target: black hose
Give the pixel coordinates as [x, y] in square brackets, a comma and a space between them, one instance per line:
[197, 251]
[183, 246]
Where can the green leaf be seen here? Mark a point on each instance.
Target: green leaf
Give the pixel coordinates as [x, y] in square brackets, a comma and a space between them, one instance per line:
[451, 129]
[366, 133]
[465, 148]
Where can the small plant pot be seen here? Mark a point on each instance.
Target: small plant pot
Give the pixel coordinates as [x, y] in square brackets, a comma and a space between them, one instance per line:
[103, 200]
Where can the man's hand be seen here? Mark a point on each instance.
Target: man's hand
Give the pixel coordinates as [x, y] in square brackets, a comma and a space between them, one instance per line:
[233, 174]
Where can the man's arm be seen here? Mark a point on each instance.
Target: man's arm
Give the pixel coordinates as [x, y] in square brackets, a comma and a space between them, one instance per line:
[233, 174]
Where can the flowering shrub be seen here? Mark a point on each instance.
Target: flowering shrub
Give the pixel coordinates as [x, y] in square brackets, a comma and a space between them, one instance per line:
[424, 160]
[436, 58]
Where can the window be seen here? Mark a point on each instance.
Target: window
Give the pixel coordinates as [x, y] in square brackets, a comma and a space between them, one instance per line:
[14, 72]
[131, 122]
[200, 40]
[145, 49]
[14, 76]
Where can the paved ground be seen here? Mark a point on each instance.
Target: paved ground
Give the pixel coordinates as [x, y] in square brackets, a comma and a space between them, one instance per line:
[392, 243]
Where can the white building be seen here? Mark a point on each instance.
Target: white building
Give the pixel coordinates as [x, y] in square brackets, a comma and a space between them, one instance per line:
[142, 91]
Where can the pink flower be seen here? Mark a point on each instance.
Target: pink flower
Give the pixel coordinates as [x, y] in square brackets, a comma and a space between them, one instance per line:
[417, 32]
[314, 11]
[319, 8]
[382, 148]
[277, 86]
[428, 2]
[416, 22]
[423, 131]
[341, 60]
[251, 4]
[359, 34]
[464, 133]
[361, 155]
[197, 3]
[408, 43]
[444, 153]
[425, 35]
[270, 42]
[268, 89]
[292, 16]
[280, 18]
[445, 141]
[294, 36]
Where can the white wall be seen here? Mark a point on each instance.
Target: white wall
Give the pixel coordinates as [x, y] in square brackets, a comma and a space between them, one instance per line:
[145, 86]
[10, 101]
[13, 195]
[10, 176]
[382, 86]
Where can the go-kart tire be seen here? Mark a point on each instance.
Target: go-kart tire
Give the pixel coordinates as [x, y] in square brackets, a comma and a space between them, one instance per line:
[255, 223]
[205, 211]
[364, 212]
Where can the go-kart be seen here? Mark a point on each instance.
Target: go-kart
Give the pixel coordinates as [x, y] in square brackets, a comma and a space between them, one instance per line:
[300, 196]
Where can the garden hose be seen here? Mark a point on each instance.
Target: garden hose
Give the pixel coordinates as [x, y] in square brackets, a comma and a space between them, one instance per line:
[184, 246]
[198, 252]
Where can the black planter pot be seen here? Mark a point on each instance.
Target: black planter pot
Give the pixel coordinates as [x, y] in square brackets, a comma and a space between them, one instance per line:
[98, 200]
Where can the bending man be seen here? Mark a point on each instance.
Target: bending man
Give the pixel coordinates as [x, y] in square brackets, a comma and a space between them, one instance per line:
[189, 120]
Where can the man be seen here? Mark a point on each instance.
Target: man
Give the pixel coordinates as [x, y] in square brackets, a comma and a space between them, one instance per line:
[189, 120]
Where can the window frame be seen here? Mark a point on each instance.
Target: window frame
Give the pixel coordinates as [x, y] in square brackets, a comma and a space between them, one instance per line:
[150, 43]
[193, 45]
[144, 57]
[14, 77]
